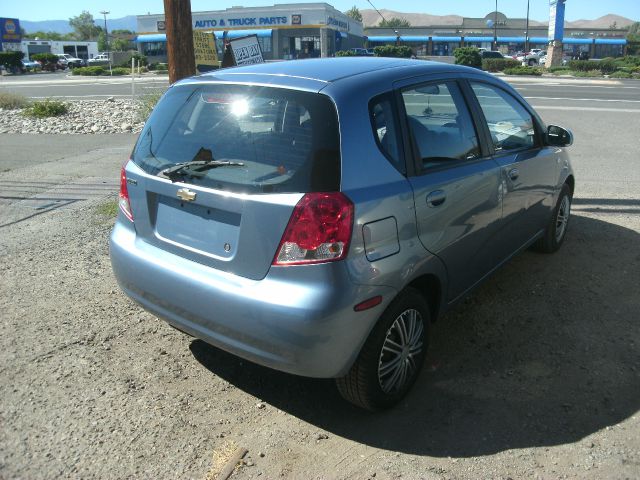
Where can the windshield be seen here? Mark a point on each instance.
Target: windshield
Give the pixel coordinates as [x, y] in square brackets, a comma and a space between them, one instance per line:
[279, 140]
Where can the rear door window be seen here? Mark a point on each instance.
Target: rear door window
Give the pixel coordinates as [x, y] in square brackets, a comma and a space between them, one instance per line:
[277, 140]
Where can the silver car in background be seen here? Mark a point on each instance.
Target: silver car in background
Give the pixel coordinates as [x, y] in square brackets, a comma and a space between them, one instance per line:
[316, 216]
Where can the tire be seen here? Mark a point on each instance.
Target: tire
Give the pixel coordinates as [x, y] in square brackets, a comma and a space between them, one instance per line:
[532, 63]
[383, 373]
[556, 230]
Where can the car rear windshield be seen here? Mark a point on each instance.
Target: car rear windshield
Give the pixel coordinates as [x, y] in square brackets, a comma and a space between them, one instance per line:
[276, 140]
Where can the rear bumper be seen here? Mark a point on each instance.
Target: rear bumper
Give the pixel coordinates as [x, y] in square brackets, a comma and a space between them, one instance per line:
[297, 319]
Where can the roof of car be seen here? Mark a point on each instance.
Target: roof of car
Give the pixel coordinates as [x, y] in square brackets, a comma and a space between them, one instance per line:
[317, 73]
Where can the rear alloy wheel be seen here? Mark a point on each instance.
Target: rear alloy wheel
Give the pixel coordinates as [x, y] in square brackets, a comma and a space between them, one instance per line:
[392, 356]
[558, 224]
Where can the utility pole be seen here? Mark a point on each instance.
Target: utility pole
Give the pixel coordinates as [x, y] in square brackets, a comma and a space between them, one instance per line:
[180, 55]
[106, 32]
[495, 27]
[526, 33]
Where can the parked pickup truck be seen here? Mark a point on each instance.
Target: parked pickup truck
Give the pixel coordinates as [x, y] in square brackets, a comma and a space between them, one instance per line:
[99, 59]
[533, 57]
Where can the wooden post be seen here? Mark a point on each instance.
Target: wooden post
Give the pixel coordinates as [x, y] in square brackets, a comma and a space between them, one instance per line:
[180, 56]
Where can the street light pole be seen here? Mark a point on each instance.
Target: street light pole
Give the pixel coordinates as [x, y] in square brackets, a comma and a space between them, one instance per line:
[495, 27]
[526, 33]
[106, 33]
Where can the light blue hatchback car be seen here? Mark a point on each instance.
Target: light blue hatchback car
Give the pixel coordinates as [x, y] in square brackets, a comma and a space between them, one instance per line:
[316, 216]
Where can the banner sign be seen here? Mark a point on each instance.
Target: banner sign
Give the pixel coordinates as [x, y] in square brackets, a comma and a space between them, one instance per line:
[204, 48]
[246, 50]
[556, 19]
[10, 30]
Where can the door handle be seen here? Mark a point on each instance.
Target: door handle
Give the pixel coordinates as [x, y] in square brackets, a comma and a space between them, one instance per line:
[436, 198]
[514, 173]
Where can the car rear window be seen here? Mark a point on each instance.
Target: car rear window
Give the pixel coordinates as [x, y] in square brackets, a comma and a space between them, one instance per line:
[286, 141]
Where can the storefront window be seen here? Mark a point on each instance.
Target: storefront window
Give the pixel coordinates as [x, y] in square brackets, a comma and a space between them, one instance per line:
[154, 49]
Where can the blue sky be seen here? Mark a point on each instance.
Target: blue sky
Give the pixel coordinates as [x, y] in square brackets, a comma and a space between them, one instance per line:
[35, 10]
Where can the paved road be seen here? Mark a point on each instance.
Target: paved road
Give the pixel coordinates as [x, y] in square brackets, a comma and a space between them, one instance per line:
[63, 85]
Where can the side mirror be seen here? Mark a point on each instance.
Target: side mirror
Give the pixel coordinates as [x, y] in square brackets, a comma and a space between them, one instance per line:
[558, 136]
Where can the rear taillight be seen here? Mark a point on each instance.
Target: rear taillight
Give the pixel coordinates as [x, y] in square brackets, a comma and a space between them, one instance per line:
[319, 230]
[123, 197]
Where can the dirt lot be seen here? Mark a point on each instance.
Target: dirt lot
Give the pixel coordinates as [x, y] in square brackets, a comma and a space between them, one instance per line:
[537, 375]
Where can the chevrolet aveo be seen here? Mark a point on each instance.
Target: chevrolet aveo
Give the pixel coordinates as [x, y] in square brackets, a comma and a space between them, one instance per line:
[317, 216]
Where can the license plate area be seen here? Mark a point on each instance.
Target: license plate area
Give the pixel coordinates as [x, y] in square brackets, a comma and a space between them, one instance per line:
[208, 231]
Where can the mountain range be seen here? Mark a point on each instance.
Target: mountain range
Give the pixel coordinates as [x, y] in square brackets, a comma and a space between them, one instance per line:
[62, 26]
[370, 18]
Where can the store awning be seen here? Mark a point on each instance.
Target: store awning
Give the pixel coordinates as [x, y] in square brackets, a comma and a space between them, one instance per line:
[511, 39]
[446, 39]
[538, 40]
[577, 41]
[414, 38]
[382, 38]
[162, 37]
[154, 37]
[261, 33]
[479, 39]
[611, 41]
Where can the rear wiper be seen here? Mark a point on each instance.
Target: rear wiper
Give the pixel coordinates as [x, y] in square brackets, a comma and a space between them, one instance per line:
[195, 166]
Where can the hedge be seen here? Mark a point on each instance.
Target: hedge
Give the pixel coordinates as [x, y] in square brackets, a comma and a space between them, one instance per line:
[91, 71]
[605, 65]
[523, 71]
[498, 64]
[469, 56]
[345, 53]
[401, 51]
[11, 59]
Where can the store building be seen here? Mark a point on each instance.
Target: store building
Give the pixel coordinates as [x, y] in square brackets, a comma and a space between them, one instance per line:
[83, 50]
[285, 31]
[510, 32]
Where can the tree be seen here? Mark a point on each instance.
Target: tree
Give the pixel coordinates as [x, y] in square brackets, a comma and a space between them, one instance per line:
[394, 22]
[122, 31]
[102, 42]
[633, 39]
[354, 13]
[119, 45]
[84, 26]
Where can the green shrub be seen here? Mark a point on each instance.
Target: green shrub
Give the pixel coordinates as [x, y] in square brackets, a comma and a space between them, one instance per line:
[345, 53]
[620, 74]
[401, 51]
[558, 69]
[498, 64]
[607, 66]
[524, 71]
[12, 101]
[117, 71]
[11, 59]
[46, 108]
[140, 59]
[629, 60]
[157, 67]
[91, 71]
[469, 56]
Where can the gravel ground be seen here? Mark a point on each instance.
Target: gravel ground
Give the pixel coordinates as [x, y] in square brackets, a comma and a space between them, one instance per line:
[99, 116]
[536, 375]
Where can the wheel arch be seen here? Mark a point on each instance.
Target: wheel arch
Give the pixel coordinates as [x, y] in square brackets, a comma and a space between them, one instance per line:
[430, 287]
[571, 181]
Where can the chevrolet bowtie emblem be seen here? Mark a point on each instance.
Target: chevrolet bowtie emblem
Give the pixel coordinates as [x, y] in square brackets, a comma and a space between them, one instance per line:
[186, 195]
